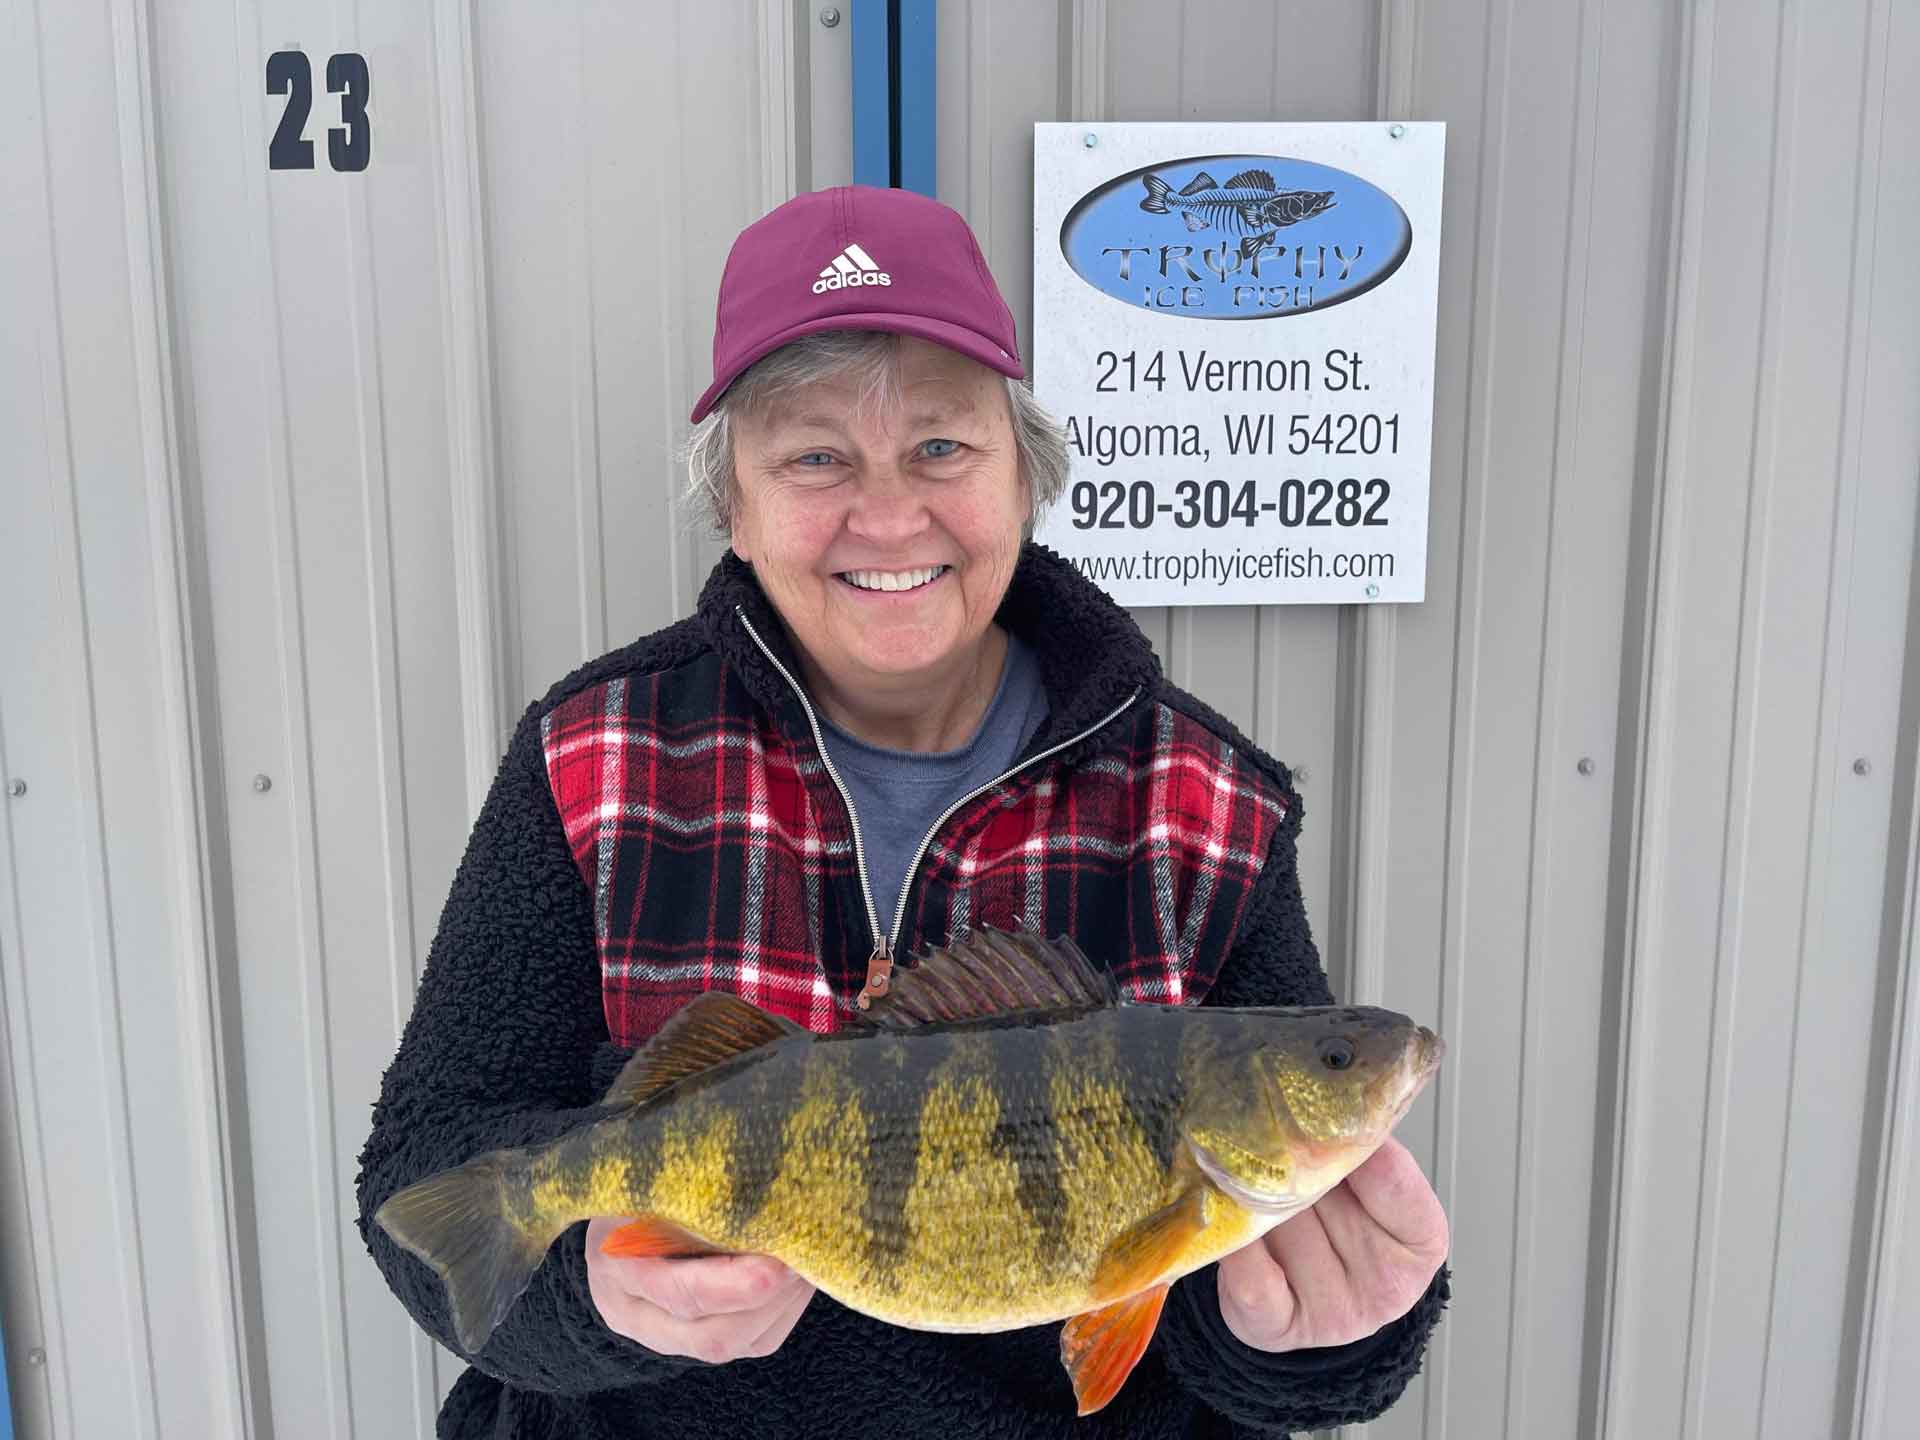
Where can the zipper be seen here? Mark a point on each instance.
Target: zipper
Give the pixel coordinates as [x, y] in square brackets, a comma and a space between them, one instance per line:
[880, 963]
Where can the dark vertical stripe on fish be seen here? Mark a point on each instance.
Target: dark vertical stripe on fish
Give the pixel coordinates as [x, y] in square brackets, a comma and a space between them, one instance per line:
[1027, 1134]
[773, 1093]
[1146, 1042]
[901, 1076]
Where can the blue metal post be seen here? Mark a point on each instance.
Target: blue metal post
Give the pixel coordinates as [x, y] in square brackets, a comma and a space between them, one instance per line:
[6, 1399]
[872, 99]
[914, 86]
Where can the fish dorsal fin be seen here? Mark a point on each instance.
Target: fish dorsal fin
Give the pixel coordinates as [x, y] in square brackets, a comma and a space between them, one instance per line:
[1202, 181]
[991, 974]
[1251, 180]
[707, 1030]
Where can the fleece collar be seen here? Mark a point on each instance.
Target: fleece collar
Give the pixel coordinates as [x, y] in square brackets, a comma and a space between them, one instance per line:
[1092, 654]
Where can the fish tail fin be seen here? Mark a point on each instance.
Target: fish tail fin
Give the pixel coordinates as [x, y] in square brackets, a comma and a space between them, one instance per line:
[1157, 192]
[457, 1222]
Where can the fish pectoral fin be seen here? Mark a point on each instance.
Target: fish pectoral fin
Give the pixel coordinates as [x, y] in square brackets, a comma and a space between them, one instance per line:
[651, 1238]
[709, 1029]
[1202, 181]
[1252, 243]
[1194, 222]
[1251, 180]
[1101, 1347]
[1144, 1251]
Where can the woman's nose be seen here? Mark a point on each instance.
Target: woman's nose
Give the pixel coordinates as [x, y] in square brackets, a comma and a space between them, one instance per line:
[888, 508]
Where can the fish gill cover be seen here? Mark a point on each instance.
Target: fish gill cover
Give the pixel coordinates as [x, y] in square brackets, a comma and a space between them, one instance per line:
[1235, 237]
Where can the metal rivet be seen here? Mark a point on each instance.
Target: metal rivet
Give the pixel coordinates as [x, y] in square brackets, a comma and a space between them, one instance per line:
[262, 783]
[1861, 767]
[1090, 139]
[16, 787]
[1396, 131]
[1585, 765]
[829, 17]
[1300, 775]
[1373, 592]
[36, 1356]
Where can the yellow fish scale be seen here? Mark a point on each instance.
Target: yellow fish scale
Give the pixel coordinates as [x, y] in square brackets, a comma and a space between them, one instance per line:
[692, 1182]
[963, 1206]
[811, 1215]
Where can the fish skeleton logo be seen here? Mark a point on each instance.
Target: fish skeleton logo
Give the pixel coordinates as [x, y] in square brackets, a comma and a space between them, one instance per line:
[1249, 205]
[1284, 236]
[852, 266]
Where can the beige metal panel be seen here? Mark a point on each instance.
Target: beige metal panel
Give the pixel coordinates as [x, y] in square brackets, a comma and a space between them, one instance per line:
[323, 433]
[1496, 843]
[1888, 1390]
[121, 1283]
[607, 232]
[1763, 855]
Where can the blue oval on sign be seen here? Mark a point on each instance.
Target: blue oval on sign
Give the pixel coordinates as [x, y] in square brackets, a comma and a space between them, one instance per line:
[1235, 237]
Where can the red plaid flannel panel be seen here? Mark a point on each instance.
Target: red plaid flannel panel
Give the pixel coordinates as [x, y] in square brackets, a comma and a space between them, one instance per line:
[718, 856]
[710, 864]
[1147, 854]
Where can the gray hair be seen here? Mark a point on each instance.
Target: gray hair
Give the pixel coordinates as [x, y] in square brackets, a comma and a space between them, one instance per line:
[872, 358]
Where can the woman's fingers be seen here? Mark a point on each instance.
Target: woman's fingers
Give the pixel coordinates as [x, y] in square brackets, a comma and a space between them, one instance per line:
[708, 1285]
[1396, 1194]
[1256, 1299]
[786, 1316]
[712, 1307]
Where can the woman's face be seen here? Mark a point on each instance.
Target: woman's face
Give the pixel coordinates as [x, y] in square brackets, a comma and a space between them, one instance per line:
[884, 537]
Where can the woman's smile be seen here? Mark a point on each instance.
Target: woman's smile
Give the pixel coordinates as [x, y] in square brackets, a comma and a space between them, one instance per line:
[887, 583]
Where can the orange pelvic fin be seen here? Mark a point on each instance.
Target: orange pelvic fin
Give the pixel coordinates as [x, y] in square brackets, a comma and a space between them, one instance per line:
[651, 1238]
[1146, 1251]
[1101, 1347]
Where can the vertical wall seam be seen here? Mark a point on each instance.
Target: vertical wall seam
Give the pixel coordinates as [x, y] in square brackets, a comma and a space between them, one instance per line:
[191, 888]
[90, 828]
[1888, 1221]
[1736, 833]
[50, 352]
[389, 753]
[1369, 681]
[306, 925]
[590, 573]
[1660, 646]
[1547, 792]
[478, 530]
[683, 516]
[1840, 580]
[779, 158]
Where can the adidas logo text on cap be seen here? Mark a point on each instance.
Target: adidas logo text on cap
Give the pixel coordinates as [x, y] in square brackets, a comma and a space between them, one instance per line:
[852, 266]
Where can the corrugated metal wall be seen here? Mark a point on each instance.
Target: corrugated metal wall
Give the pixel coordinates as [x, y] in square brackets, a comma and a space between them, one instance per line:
[312, 479]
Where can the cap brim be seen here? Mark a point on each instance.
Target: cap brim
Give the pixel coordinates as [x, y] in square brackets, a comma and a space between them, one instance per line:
[970, 343]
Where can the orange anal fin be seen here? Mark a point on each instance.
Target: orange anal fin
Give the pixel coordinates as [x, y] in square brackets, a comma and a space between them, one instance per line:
[651, 1238]
[1101, 1347]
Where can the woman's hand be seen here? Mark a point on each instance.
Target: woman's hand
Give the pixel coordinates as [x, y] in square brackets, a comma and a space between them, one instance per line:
[1336, 1273]
[713, 1308]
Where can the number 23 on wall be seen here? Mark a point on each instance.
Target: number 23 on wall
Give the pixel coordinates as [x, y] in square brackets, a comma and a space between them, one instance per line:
[348, 146]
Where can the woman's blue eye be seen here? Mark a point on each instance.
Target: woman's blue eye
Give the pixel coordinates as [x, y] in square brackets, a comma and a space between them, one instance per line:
[933, 454]
[814, 459]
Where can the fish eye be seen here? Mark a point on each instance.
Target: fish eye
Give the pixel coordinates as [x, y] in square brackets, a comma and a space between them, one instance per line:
[1336, 1054]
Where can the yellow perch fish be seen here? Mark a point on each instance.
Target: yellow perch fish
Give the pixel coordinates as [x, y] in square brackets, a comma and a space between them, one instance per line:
[1008, 1144]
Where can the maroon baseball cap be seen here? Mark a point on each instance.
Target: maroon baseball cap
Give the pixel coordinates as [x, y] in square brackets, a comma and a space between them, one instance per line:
[857, 257]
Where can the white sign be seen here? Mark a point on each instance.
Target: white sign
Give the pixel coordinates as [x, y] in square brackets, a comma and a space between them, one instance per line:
[1236, 324]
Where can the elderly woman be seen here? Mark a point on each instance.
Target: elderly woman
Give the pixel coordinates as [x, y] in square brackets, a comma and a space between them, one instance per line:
[891, 719]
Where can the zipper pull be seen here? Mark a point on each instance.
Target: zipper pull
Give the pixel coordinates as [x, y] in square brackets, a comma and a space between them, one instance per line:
[879, 976]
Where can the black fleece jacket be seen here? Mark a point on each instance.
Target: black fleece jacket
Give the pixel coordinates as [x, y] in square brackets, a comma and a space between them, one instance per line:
[508, 1046]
